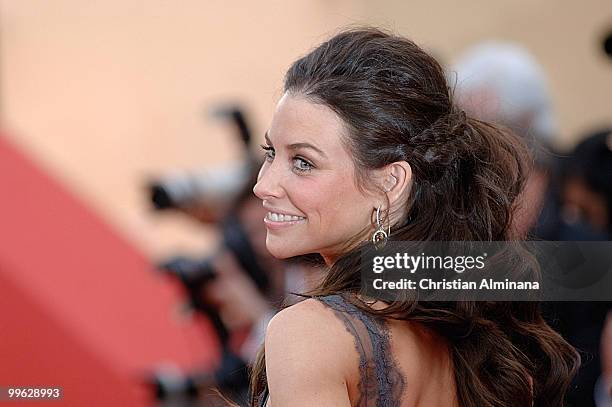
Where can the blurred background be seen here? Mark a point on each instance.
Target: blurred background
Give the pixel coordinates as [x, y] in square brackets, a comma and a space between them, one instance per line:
[132, 258]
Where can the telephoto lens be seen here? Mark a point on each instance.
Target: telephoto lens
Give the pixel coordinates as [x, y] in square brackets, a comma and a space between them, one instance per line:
[212, 189]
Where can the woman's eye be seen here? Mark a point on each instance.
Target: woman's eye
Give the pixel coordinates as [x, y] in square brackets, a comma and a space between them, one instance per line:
[269, 152]
[302, 165]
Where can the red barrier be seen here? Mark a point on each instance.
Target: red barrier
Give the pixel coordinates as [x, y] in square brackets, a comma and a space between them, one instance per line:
[80, 307]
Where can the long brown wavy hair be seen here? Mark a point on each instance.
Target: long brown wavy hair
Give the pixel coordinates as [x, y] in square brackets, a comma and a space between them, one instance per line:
[467, 175]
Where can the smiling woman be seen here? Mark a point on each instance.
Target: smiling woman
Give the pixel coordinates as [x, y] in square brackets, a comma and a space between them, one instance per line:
[366, 144]
[309, 173]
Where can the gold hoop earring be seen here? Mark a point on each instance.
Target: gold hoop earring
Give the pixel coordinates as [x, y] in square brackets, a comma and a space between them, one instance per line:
[380, 236]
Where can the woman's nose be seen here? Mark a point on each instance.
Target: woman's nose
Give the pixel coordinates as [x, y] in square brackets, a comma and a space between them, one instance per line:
[267, 185]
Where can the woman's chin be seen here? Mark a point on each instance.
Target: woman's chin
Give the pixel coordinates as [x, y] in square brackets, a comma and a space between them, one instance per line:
[281, 251]
[281, 255]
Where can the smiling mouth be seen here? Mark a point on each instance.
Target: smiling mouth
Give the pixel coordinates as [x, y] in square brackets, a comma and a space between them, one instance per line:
[279, 217]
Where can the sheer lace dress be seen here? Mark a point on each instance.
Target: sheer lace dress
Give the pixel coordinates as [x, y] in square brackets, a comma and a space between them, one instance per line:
[381, 383]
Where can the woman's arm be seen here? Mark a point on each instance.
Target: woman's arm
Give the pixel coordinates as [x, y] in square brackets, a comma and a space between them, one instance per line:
[308, 357]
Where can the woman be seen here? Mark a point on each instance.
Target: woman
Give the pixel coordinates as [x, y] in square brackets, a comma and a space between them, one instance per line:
[364, 142]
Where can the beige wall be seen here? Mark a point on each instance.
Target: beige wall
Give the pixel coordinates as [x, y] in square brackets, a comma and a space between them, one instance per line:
[564, 36]
[105, 93]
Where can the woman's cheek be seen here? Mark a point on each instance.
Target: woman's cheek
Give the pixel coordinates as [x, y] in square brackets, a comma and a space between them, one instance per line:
[308, 196]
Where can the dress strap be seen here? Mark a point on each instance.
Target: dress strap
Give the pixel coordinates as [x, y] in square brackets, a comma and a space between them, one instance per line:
[381, 382]
[263, 397]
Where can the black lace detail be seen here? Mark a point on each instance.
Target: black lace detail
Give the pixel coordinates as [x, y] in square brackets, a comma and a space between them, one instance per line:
[381, 382]
[263, 397]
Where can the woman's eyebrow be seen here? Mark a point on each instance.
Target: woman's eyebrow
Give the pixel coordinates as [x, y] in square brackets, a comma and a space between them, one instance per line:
[296, 146]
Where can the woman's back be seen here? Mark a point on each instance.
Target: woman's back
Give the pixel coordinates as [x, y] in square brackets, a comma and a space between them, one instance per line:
[395, 363]
[424, 360]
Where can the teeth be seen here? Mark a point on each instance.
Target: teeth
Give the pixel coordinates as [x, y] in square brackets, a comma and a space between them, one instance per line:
[279, 217]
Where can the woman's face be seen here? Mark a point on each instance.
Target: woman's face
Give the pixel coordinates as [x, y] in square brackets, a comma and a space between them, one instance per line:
[308, 174]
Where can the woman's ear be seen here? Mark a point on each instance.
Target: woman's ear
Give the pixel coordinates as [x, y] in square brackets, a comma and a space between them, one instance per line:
[397, 180]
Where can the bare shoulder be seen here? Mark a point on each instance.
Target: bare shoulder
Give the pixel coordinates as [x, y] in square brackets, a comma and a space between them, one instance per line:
[310, 325]
[308, 356]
